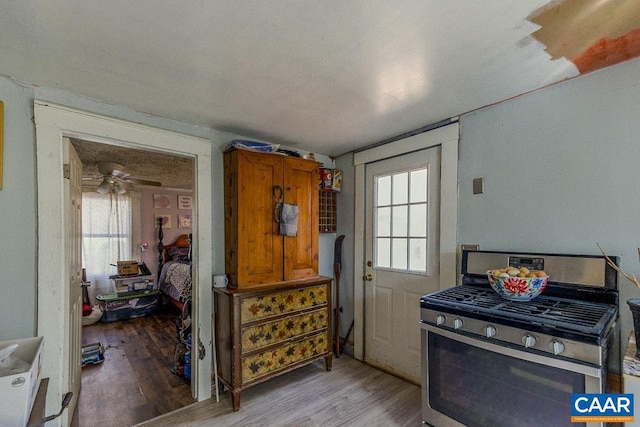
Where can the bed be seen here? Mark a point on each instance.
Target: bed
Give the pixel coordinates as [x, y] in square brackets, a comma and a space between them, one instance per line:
[174, 269]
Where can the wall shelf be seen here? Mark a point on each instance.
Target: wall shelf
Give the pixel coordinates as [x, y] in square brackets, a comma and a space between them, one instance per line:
[327, 212]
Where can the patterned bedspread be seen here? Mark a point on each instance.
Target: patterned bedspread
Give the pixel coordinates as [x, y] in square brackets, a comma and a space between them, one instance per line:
[175, 280]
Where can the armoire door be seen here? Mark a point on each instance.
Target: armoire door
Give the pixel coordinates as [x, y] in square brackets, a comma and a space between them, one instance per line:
[253, 245]
[301, 182]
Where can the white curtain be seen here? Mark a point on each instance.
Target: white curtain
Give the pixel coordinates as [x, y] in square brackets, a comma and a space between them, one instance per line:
[106, 238]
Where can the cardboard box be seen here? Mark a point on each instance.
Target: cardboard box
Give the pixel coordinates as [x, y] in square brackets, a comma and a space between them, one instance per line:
[18, 390]
[126, 268]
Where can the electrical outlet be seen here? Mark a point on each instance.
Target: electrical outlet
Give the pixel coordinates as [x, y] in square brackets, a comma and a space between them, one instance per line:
[469, 247]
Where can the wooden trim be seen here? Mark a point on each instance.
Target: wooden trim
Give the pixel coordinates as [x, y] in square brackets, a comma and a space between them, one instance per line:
[53, 122]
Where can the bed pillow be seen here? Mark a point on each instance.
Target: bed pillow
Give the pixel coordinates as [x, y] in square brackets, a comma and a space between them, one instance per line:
[179, 254]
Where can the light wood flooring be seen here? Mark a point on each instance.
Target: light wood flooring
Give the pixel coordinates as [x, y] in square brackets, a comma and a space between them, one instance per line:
[134, 383]
[351, 394]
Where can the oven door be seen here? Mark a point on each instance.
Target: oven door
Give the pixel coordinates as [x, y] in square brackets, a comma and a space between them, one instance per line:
[469, 381]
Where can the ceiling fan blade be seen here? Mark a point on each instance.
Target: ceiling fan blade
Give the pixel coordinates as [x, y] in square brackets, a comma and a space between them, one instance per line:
[107, 168]
[119, 173]
[143, 182]
[124, 184]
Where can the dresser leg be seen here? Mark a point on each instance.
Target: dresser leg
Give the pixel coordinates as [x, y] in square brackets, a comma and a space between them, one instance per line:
[329, 361]
[235, 399]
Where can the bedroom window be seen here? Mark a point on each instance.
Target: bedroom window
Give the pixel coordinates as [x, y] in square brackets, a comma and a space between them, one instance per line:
[106, 237]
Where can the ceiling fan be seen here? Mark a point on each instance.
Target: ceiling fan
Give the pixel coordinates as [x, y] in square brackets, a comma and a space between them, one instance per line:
[116, 180]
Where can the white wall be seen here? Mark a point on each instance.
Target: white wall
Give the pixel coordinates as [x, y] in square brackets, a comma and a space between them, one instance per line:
[560, 166]
[18, 215]
[562, 171]
[18, 202]
[346, 225]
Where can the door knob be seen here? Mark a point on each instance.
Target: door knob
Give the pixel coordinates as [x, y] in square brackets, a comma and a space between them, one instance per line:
[368, 277]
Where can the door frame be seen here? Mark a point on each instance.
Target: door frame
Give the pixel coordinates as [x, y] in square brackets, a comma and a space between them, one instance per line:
[53, 122]
[447, 137]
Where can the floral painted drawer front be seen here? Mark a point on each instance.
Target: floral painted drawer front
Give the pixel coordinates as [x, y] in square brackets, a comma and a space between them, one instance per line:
[263, 363]
[269, 305]
[259, 336]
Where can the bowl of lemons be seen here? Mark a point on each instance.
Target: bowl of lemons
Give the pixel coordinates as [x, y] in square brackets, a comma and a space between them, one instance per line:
[517, 284]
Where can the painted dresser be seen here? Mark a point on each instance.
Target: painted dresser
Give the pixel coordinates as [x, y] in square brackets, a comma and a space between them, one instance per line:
[264, 332]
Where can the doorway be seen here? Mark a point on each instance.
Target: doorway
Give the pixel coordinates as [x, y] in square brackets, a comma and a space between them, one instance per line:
[136, 376]
[446, 138]
[54, 122]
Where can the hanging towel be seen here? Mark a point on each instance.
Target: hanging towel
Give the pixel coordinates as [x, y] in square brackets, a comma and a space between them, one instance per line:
[289, 220]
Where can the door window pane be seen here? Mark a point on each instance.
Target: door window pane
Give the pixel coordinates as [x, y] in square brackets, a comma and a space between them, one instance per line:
[399, 254]
[383, 196]
[400, 188]
[418, 220]
[418, 186]
[400, 220]
[383, 222]
[383, 253]
[418, 254]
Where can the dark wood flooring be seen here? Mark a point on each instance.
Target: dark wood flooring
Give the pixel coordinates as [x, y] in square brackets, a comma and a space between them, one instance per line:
[135, 382]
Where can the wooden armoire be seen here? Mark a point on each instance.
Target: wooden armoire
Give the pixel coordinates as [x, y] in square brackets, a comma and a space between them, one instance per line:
[254, 184]
[276, 313]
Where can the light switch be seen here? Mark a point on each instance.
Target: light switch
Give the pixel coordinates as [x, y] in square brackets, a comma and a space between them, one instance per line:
[478, 185]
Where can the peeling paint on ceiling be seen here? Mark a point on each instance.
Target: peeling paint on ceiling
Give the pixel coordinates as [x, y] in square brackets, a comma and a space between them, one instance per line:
[592, 34]
[326, 77]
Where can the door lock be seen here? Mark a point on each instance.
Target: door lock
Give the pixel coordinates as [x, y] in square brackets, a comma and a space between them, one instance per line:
[368, 277]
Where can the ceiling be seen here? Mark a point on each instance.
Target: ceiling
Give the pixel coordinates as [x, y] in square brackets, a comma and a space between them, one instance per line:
[171, 171]
[323, 76]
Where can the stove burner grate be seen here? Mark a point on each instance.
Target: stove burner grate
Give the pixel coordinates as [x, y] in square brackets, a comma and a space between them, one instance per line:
[576, 315]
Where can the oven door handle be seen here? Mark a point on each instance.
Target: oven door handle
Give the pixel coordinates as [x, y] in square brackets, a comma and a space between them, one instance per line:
[589, 370]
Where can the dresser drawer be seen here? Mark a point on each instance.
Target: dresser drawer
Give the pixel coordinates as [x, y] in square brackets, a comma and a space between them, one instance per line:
[258, 365]
[281, 302]
[269, 333]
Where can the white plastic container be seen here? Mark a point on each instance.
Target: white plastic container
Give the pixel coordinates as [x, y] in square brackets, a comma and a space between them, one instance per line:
[18, 389]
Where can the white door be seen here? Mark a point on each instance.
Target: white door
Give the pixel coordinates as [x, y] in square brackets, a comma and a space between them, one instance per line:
[402, 257]
[73, 335]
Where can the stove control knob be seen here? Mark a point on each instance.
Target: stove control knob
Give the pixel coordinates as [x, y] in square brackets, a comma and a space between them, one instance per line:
[440, 319]
[556, 346]
[490, 331]
[529, 341]
[457, 324]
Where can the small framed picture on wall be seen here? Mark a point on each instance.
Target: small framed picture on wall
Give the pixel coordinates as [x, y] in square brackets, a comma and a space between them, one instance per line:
[184, 220]
[166, 220]
[161, 201]
[184, 202]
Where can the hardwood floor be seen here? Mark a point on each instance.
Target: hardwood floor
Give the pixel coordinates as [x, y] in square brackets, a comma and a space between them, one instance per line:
[134, 383]
[352, 394]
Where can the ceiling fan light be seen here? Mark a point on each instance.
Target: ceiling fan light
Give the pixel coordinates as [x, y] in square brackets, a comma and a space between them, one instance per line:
[104, 187]
[119, 189]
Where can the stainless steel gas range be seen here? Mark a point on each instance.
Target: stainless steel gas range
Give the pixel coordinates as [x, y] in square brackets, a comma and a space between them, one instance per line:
[487, 361]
